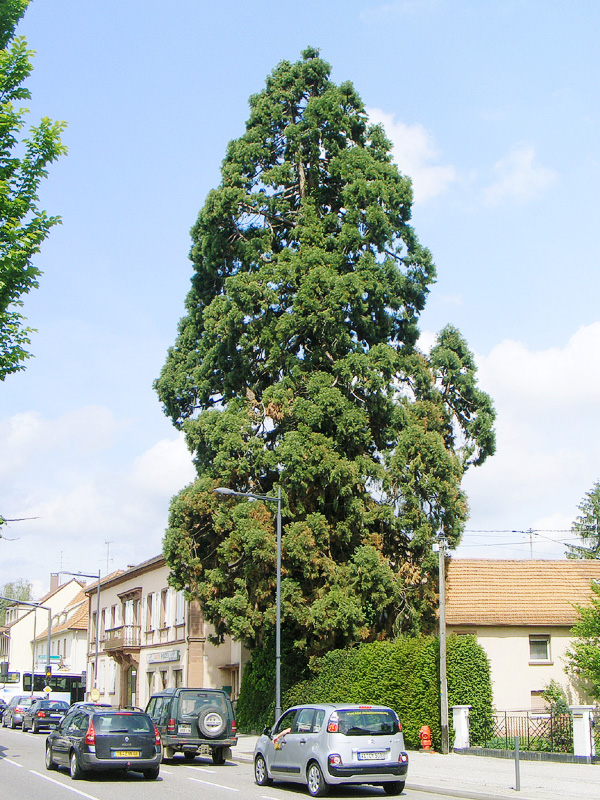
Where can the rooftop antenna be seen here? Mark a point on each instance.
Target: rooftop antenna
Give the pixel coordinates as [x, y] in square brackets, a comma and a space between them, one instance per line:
[108, 558]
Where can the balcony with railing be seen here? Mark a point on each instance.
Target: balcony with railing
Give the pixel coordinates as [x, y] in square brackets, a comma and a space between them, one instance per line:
[124, 637]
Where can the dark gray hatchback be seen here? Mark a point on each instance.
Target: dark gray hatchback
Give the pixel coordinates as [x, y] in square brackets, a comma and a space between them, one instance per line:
[189, 719]
[98, 738]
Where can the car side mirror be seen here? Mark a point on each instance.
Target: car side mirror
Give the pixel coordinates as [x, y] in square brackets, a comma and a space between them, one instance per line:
[267, 732]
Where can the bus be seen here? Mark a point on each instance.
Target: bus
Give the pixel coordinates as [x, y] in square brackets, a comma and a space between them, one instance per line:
[63, 685]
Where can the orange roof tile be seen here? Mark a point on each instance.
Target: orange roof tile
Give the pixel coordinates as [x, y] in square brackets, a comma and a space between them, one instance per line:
[498, 592]
[78, 621]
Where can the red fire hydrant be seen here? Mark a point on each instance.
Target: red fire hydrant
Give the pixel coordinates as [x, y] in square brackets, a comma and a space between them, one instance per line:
[425, 737]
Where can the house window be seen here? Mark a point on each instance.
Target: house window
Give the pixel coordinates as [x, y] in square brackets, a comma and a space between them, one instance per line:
[180, 608]
[538, 704]
[539, 649]
[165, 610]
[149, 614]
[178, 676]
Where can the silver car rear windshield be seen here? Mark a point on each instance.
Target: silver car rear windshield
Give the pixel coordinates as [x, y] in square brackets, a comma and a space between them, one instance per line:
[364, 722]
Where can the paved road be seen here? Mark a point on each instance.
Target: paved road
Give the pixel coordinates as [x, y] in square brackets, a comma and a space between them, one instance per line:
[23, 776]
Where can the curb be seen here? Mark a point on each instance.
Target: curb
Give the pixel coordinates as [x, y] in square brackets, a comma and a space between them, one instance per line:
[467, 793]
[247, 758]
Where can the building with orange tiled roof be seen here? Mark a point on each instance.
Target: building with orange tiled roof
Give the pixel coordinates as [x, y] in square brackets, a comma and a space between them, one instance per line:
[21, 646]
[68, 637]
[522, 613]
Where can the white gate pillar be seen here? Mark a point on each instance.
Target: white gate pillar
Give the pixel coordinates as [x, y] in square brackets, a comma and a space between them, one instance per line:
[583, 741]
[460, 722]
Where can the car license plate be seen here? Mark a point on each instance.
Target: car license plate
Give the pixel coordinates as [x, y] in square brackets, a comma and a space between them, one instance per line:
[184, 729]
[372, 756]
[126, 754]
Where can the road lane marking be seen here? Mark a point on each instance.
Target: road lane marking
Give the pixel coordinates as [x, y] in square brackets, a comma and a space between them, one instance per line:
[201, 769]
[14, 763]
[63, 785]
[218, 785]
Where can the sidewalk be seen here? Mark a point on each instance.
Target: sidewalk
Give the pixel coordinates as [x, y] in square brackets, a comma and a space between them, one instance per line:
[483, 778]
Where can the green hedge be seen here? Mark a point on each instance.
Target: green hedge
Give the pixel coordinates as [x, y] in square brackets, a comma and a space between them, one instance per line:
[403, 675]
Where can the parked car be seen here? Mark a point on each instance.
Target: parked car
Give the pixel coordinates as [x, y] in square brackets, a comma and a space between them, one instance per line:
[98, 738]
[13, 714]
[79, 703]
[191, 718]
[43, 714]
[326, 744]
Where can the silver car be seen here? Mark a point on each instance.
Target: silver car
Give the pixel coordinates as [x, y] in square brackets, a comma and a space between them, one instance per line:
[326, 744]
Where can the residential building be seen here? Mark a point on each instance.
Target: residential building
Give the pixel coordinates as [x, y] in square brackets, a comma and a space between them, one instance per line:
[68, 637]
[22, 645]
[150, 638]
[522, 613]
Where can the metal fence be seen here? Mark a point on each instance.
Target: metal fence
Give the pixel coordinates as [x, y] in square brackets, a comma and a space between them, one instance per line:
[552, 733]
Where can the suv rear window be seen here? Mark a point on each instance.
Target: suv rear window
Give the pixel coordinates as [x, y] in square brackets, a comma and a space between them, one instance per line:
[193, 702]
[365, 721]
[122, 723]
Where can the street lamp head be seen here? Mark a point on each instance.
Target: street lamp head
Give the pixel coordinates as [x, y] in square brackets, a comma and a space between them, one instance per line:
[224, 490]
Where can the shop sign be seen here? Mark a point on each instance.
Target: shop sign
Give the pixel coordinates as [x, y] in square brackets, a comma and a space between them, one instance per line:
[167, 655]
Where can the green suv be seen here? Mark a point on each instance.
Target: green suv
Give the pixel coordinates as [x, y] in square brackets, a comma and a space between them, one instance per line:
[189, 719]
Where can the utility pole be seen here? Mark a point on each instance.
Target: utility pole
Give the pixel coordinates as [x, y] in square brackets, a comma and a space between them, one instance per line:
[443, 678]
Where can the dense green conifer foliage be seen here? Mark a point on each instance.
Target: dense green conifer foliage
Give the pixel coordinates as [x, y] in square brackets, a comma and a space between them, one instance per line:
[296, 366]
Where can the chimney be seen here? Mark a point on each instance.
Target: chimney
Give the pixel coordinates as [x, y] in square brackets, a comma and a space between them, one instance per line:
[53, 581]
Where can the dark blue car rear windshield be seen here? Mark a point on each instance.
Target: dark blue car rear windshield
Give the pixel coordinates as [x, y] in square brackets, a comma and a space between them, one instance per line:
[126, 723]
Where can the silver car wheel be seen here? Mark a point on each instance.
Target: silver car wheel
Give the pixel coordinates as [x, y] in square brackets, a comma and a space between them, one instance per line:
[315, 780]
[261, 776]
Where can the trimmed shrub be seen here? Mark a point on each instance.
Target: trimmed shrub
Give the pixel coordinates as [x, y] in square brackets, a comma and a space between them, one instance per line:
[403, 675]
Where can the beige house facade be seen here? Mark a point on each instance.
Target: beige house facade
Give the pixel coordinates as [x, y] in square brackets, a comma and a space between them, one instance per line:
[68, 638]
[522, 613]
[150, 637]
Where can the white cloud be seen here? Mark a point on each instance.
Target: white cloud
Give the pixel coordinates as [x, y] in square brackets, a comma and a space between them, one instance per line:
[75, 475]
[548, 442]
[86, 430]
[518, 178]
[556, 376]
[416, 155]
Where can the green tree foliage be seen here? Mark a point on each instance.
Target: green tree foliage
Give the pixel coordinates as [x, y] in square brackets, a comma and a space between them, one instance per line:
[584, 653]
[556, 697]
[23, 163]
[587, 526]
[16, 590]
[296, 367]
[403, 675]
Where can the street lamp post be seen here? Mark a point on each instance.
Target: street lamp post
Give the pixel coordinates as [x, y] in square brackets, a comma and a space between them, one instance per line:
[271, 499]
[36, 606]
[443, 674]
[97, 644]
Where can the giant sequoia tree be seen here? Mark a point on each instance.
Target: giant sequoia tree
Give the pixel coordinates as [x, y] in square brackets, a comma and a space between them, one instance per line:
[296, 367]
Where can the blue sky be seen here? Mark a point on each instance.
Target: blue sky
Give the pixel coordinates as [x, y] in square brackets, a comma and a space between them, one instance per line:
[493, 110]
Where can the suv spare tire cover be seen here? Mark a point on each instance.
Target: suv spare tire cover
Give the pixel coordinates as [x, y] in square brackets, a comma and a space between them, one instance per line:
[211, 722]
